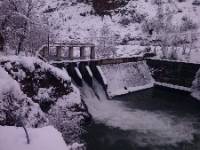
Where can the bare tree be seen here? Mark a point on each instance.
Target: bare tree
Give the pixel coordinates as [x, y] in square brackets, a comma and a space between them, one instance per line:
[106, 45]
[19, 24]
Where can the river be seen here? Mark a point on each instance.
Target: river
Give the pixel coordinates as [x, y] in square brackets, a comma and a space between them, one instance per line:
[154, 119]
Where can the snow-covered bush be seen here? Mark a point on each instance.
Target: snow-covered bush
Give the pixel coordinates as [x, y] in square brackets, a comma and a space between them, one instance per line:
[40, 81]
[15, 107]
[50, 97]
[69, 117]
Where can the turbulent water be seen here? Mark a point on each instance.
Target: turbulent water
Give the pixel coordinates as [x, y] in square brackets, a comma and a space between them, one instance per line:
[142, 127]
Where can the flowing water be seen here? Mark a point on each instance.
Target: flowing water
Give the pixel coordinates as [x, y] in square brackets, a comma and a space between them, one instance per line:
[154, 119]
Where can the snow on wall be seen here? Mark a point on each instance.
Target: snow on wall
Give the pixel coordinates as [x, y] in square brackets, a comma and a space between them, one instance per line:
[196, 86]
[126, 77]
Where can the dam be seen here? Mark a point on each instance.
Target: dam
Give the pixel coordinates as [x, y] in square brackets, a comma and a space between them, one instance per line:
[130, 110]
[130, 74]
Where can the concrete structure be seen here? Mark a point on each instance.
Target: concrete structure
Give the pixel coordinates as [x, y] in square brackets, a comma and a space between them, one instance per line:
[61, 49]
[175, 73]
[167, 73]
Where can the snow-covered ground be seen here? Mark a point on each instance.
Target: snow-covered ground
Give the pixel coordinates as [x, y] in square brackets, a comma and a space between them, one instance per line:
[75, 21]
[69, 23]
[46, 138]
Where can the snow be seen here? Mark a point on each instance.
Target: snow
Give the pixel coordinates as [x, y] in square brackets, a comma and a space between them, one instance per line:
[66, 113]
[64, 20]
[68, 24]
[29, 112]
[44, 94]
[28, 62]
[129, 50]
[70, 99]
[177, 87]
[193, 57]
[7, 83]
[46, 138]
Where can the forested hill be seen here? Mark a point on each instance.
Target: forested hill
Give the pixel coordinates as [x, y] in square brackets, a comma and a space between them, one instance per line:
[85, 19]
[114, 26]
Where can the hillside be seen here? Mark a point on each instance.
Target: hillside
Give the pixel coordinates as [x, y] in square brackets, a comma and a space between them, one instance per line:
[78, 21]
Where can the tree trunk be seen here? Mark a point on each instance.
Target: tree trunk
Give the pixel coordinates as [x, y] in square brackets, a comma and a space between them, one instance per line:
[2, 43]
[20, 45]
[22, 38]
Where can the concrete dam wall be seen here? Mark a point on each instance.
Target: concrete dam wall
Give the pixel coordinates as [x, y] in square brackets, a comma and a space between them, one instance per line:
[126, 77]
[173, 74]
[116, 79]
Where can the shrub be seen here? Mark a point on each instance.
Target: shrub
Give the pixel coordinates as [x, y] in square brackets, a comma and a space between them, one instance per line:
[188, 24]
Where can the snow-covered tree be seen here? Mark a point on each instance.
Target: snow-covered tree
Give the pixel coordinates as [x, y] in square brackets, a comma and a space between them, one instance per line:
[106, 42]
[19, 23]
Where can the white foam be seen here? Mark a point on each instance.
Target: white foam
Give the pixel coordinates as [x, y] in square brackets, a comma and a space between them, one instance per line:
[163, 128]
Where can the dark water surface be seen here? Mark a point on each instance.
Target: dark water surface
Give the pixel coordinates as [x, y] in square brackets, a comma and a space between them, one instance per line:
[154, 119]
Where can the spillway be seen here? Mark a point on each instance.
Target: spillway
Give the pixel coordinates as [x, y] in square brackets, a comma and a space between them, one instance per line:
[127, 77]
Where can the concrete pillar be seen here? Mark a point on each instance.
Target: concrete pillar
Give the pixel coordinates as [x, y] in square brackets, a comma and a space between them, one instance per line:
[82, 52]
[71, 52]
[92, 52]
[58, 51]
[66, 52]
